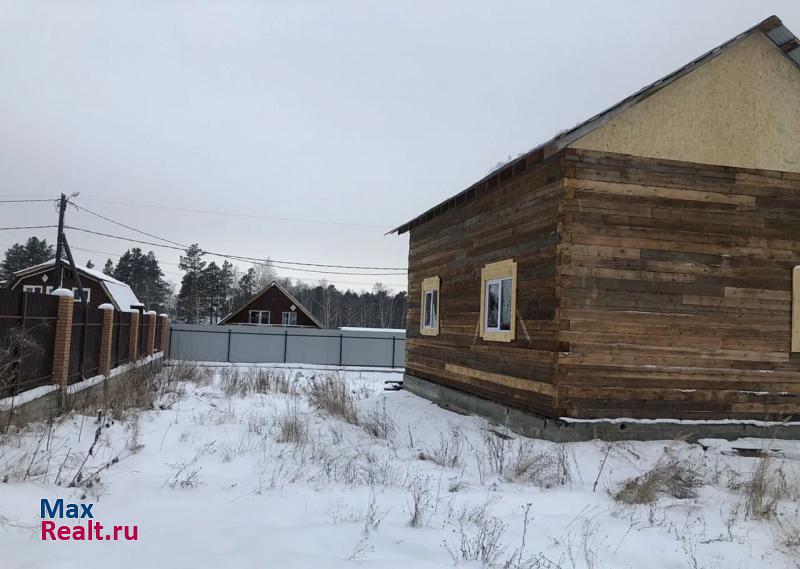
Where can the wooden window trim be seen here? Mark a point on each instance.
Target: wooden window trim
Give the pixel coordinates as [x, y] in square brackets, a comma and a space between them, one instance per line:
[491, 272]
[430, 284]
[32, 288]
[283, 318]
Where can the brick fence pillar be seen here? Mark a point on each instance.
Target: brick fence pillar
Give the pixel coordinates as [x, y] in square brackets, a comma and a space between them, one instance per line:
[61, 346]
[151, 332]
[133, 338]
[164, 323]
[107, 336]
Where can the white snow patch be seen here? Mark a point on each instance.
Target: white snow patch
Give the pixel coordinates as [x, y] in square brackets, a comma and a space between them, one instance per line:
[62, 292]
[26, 396]
[209, 485]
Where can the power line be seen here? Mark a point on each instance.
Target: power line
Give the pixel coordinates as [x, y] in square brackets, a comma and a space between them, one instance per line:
[237, 214]
[127, 226]
[25, 201]
[185, 246]
[268, 262]
[28, 227]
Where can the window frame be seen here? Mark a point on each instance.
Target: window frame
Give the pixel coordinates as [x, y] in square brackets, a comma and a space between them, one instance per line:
[430, 286]
[496, 273]
[33, 288]
[260, 317]
[76, 294]
[283, 317]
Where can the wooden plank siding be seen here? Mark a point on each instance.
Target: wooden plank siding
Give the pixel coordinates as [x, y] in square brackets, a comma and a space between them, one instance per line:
[675, 287]
[646, 289]
[515, 221]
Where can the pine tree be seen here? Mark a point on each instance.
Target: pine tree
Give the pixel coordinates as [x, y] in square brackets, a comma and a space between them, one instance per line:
[210, 291]
[18, 256]
[227, 280]
[189, 297]
[143, 274]
[245, 288]
[109, 268]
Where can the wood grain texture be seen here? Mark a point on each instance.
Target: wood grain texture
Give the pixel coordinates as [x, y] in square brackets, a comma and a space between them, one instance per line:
[646, 288]
[675, 290]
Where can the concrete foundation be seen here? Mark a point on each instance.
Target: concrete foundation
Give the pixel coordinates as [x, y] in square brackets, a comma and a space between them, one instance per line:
[59, 401]
[556, 430]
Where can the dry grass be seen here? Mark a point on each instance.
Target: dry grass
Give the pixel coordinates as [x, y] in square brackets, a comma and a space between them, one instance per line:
[293, 427]
[378, 423]
[669, 476]
[241, 382]
[766, 488]
[479, 542]
[420, 502]
[188, 371]
[543, 467]
[331, 393]
[497, 446]
[449, 450]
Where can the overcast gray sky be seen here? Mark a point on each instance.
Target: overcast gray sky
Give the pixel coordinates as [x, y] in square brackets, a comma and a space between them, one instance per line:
[343, 119]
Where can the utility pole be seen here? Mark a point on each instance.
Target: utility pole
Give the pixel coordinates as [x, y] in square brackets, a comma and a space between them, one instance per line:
[62, 208]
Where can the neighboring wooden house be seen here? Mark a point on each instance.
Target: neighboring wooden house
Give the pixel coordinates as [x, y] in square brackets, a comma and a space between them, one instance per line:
[99, 287]
[639, 265]
[273, 306]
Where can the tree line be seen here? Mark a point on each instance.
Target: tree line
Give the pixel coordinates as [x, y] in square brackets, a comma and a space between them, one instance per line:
[208, 291]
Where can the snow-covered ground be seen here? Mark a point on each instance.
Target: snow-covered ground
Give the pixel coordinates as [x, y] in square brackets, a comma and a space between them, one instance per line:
[209, 482]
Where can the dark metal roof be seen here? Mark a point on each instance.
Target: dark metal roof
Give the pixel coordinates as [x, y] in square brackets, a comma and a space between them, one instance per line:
[772, 27]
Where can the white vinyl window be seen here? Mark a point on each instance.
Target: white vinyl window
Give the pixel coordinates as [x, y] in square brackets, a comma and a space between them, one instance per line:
[77, 293]
[431, 309]
[498, 305]
[259, 317]
[290, 318]
[498, 301]
[31, 288]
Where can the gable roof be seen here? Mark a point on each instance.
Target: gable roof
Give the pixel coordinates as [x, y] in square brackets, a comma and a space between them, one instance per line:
[772, 28]
[262, 292]
[120, 293]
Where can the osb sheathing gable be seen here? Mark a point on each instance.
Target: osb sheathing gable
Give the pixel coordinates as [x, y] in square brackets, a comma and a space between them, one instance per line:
[741, 109]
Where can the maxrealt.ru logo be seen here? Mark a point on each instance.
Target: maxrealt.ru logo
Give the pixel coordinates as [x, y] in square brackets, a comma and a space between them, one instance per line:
[87, 529]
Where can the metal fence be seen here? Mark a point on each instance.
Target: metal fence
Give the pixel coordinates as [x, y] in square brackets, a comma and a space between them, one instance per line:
[27, 335]
[277, 344]
[28, 323]
[120, 338]
[84, 350]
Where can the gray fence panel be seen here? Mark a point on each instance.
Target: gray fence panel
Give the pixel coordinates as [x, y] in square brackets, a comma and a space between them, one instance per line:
[400, 353]
[367, 351]
[276, 344]
[198, 345]
[257, 348]
[317, 349]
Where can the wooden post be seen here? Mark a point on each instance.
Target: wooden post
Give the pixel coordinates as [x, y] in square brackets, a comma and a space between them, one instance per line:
[61, 346]
[107, 336]
[150, 345]
[133, 337]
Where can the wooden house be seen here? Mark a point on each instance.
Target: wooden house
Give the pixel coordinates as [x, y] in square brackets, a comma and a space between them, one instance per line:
[273, 306]
[99, 287]
[640, 265]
